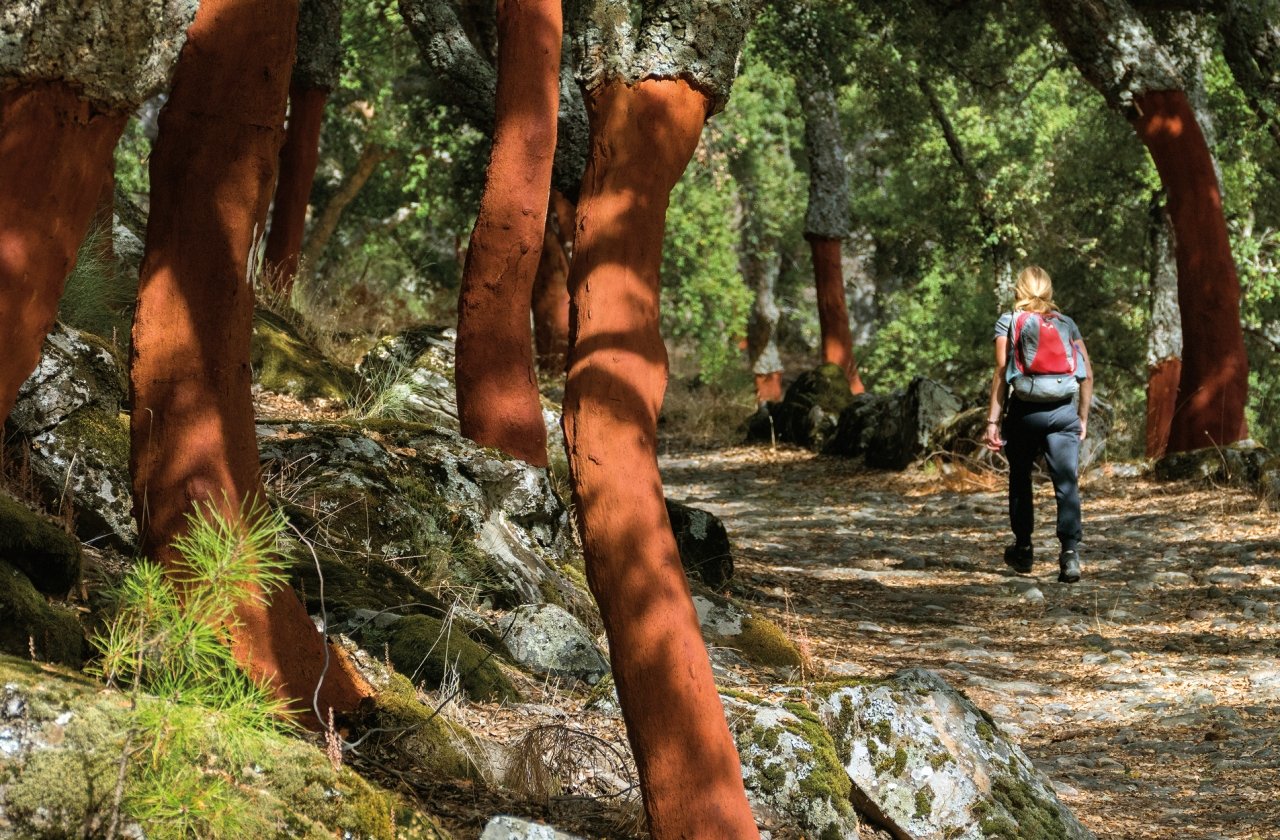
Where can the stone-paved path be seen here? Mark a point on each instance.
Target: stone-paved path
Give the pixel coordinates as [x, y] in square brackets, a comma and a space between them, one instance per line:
[1149, 692]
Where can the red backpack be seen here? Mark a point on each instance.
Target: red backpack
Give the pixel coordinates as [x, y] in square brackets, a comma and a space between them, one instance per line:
[1042, 358]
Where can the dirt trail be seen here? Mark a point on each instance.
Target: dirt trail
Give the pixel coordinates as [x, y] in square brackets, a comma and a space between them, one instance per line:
[1149, 692]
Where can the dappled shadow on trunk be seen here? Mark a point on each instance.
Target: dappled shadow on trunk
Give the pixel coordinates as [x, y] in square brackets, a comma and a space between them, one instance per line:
[193, 432]
[55, 153]
[642, 139]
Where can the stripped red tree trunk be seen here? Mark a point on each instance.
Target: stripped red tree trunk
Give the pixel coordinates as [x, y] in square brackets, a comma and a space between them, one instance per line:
[192, 423]
[1214, 380]
[55, 155]
[498, 403]
[298, 159]
[642, 137]
[551, 288]
[833, 312]
[1164, 338]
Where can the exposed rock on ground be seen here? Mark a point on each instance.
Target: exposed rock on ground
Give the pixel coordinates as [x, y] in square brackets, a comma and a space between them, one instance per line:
[1244, 463]
[74, 436]
[514, 828]
[547, 640]
[703, 543]
[929, 764]
[809, 410]
[891, 430]
[61, 741]
[285, 361]
[429, 504]
[792, 775]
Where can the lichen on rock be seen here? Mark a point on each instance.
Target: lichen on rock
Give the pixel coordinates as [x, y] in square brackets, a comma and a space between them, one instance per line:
[926, 762]
[790, 768]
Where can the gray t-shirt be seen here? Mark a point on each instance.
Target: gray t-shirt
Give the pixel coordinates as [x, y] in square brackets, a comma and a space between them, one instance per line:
[1006, 320]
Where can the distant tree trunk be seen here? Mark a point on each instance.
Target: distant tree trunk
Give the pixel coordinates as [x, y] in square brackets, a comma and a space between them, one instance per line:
[498, 402]
[551, 288]
[1164, 341]
[761, 272]
[640, 88]
[315, 72]
[193, 440]
[826, 221]
[55, 153]
[326, 224]
[1116, 51]
[298, 159]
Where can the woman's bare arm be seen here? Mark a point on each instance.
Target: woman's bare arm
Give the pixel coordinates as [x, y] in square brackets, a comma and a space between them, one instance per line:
[999, 392]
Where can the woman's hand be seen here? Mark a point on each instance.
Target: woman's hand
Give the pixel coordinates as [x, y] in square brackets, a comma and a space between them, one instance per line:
[992, 438]
[1084, 427]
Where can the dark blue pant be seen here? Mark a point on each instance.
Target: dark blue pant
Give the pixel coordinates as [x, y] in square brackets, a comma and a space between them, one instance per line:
[1054, 428]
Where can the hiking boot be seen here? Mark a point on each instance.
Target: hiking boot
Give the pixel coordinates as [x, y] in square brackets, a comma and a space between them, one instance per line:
[1069, 566]
[1019, 558]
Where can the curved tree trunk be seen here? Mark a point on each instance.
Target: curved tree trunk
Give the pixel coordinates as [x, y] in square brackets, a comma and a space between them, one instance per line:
[1214, 381]
[327, 223]
[833, 311]
[1164, 340]
[298, 158]
[498, 403]
[688, 764]
[193, 441]
[551, 289]
[55, 154]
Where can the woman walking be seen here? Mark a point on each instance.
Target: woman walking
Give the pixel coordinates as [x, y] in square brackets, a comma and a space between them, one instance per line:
[1040, 394]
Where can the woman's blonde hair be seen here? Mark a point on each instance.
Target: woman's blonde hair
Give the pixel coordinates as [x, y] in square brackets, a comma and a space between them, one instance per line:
[1034, 291]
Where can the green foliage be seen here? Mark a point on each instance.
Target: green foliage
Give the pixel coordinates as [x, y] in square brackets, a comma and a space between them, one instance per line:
[197, 718]
[98, 297]
[705, 301]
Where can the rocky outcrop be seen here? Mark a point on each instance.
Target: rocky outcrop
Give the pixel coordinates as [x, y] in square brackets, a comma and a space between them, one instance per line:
[1244, 463]
[74, 437]
[808, 412]
[514, 828]
[549, 641]
[790, 769]
[889, 431]
[430, 504]
[727, 624]
[703, 543]
[927, 764]
[285, 361]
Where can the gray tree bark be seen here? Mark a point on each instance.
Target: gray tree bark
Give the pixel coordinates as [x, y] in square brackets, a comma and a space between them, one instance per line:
[468, 80]
[118, 53]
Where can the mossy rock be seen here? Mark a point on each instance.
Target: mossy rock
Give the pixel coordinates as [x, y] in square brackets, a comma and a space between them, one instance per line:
[725, 623]
[87, 456]
[926, 762]
[808, 411]
[285, 362]
[39, 547]
[66, 736]
[30, 623]
[790, 768]
[419, 650]
[404, 728]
